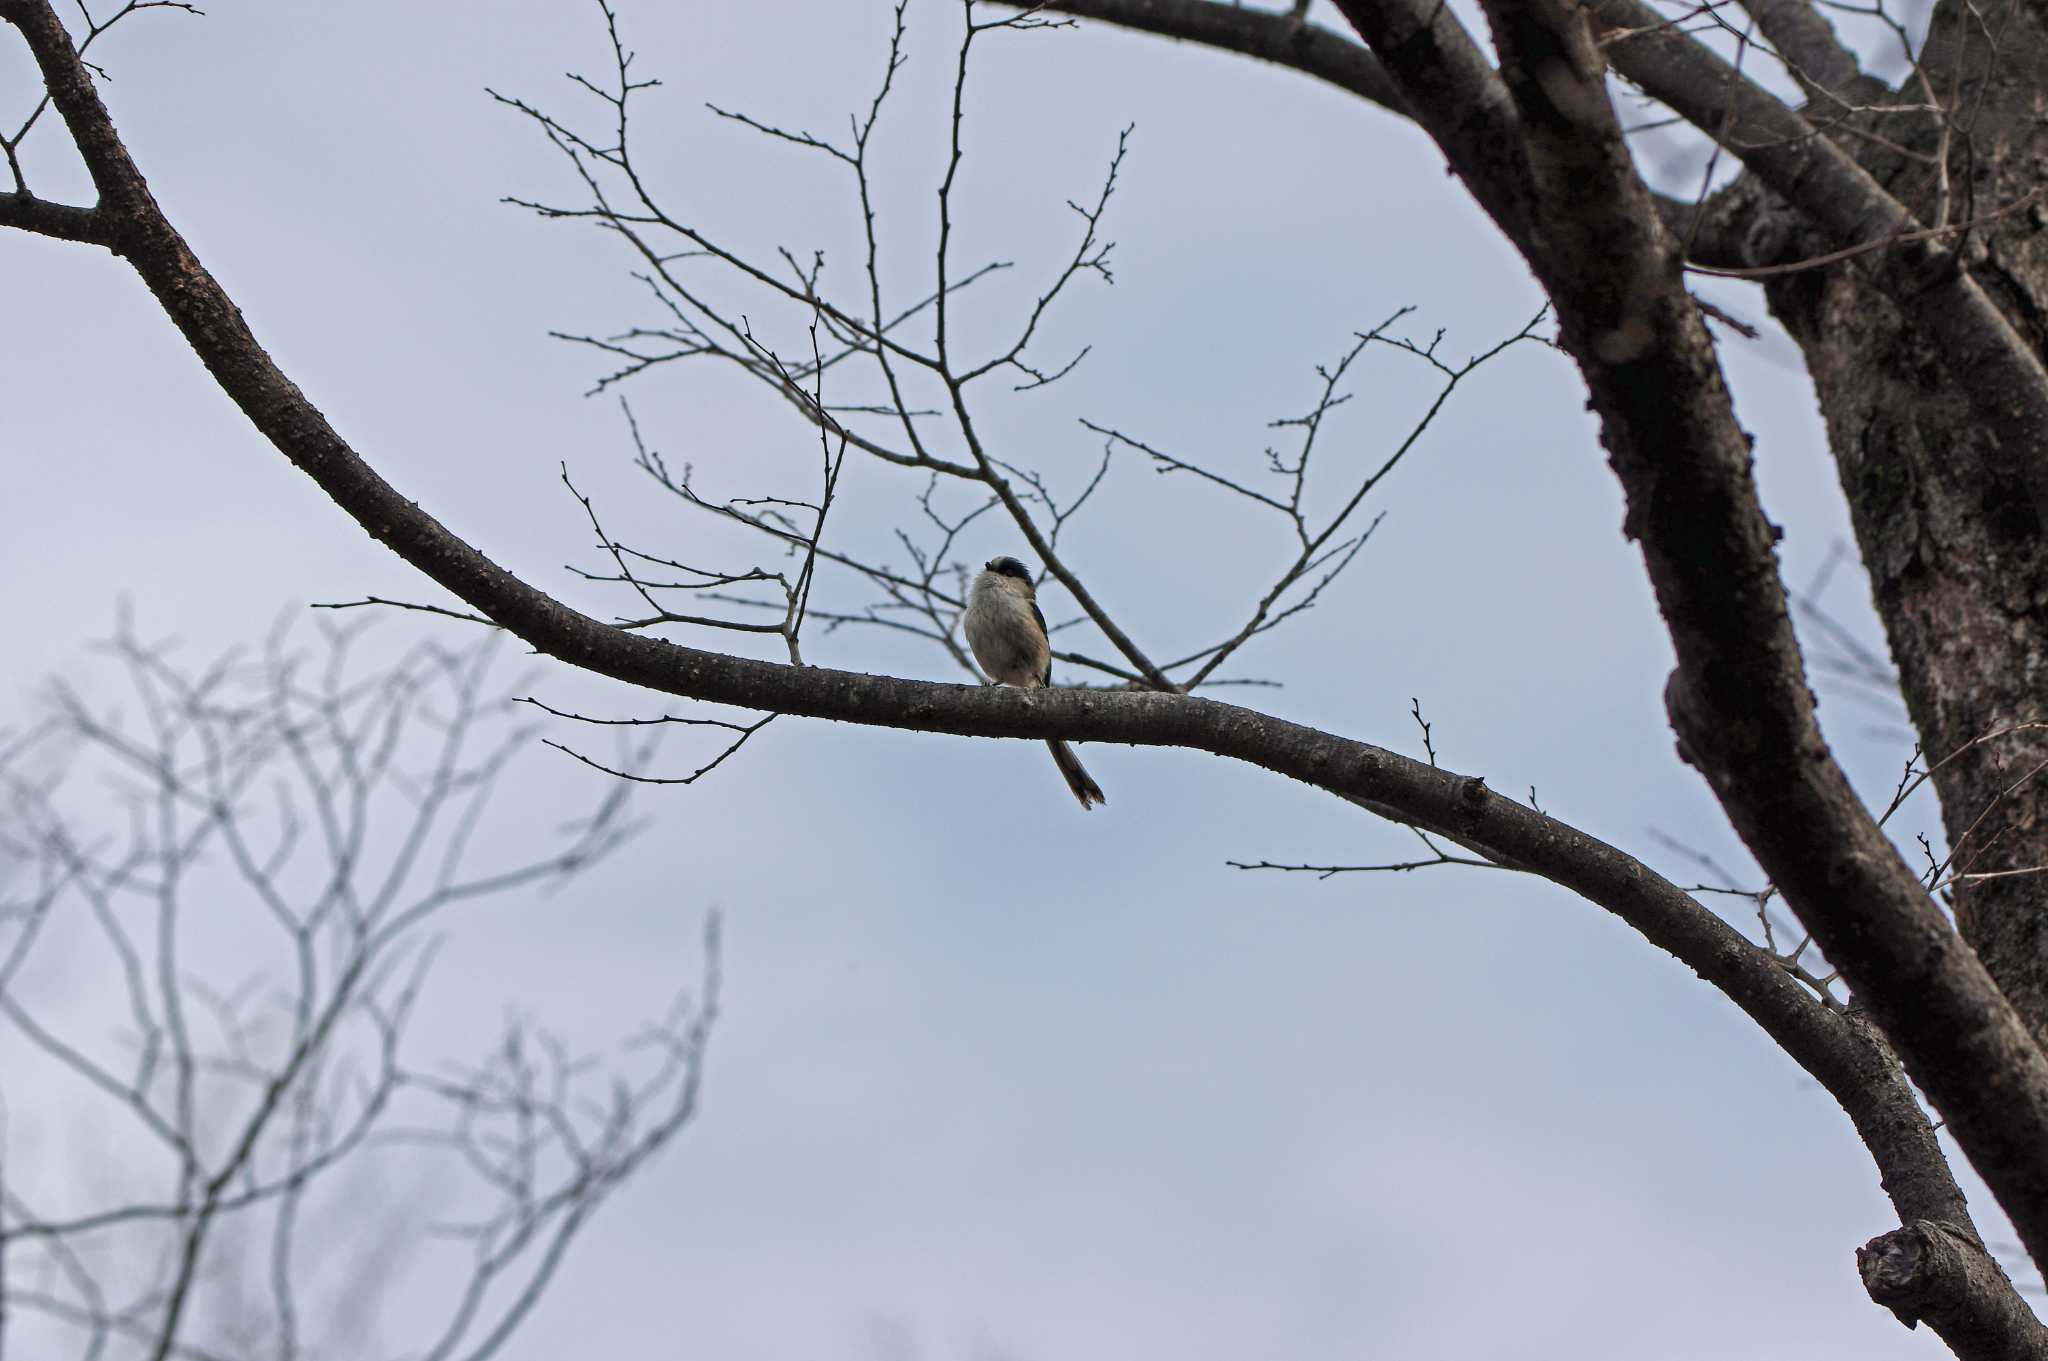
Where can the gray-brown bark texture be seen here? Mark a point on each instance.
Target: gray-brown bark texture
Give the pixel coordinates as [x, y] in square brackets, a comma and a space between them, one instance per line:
[1937, 434]
[1942, 506]
[1554, 175]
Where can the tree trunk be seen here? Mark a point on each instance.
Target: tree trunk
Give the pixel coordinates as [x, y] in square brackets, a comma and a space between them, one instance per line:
[1943, 515]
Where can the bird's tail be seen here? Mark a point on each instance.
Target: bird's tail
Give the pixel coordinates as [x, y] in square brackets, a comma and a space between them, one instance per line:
[1085, 789]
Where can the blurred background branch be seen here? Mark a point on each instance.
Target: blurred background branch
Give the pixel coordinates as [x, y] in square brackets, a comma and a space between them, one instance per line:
[220, 911]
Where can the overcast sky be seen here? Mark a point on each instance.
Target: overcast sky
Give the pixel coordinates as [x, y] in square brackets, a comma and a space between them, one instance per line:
[995, 1076]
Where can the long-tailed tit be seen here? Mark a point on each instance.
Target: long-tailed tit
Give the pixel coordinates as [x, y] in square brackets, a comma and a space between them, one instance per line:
[1007, 632]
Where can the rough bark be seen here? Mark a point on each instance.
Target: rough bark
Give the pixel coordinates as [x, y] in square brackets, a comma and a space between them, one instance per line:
[60, 220]
[1849, 205]
[1934, 421]
[1738, 699]
[1927, 364]
[1948, 527]
[1932, 1272]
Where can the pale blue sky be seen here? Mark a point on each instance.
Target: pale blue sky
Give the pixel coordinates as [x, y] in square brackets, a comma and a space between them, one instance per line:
[994, 1075]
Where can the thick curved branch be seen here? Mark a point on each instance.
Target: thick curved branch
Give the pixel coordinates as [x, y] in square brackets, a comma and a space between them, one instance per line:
[1791, 156]
[1328, 56]
[1486, 119]
[1265, 34]
[1739, 699]
[1849, 208]
[1807, 42]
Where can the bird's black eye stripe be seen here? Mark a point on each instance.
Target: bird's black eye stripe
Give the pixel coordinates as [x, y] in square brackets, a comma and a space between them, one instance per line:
[1009, 567]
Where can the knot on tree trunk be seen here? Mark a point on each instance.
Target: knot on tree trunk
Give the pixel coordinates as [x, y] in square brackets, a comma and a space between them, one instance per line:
[1910, 1271]
[1932, 1272]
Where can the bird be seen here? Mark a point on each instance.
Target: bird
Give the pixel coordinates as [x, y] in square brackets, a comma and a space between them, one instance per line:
[1006, 630]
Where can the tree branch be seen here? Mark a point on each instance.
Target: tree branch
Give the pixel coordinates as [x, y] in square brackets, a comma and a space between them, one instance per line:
[1738, 698]
[1265, 34]
[1930, 1271]
[1822, 181]
[60, 220]
[1850, 208]
[1807, 43]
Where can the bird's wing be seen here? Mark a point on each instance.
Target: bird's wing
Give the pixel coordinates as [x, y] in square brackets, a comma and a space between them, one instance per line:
[1045, 633]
